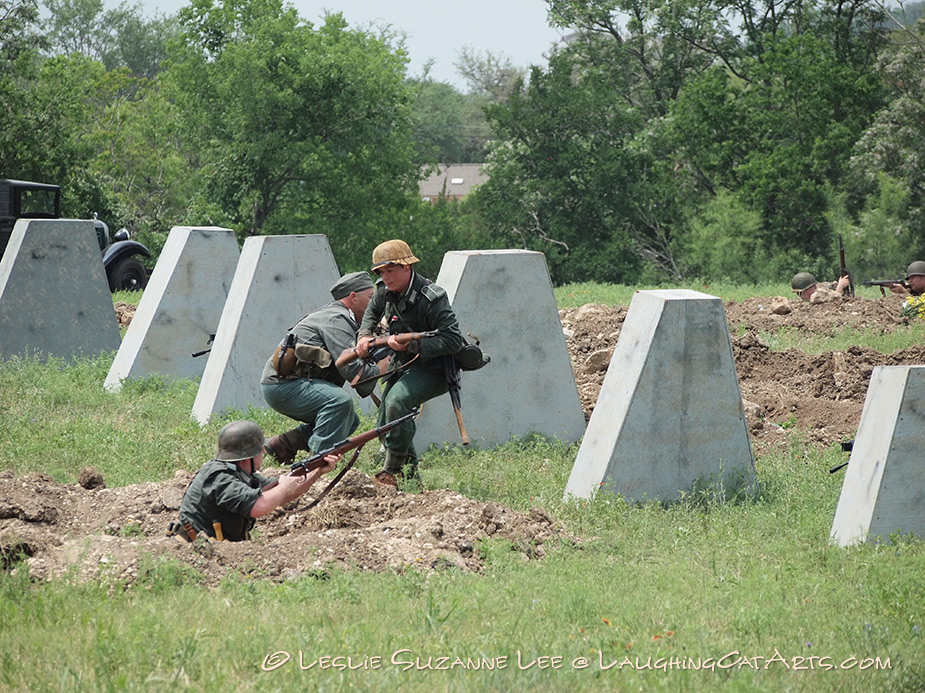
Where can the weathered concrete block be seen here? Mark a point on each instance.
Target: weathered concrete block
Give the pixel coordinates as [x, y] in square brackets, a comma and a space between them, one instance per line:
[180, 307]
[669, 417]
[54, 296]
[505, 298]
[884, 489]
[278, 280]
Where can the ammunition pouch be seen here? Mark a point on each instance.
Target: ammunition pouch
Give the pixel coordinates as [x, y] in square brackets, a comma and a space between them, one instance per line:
[300, 360]
[316, 356]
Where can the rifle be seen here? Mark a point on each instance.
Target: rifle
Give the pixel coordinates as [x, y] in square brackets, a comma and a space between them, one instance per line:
[350, 354]
[197, 354]
[846, 446]
[303, 467]
[886, 282]
[844, 270]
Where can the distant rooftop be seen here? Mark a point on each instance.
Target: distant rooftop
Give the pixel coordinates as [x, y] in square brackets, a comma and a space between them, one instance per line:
[453, 181]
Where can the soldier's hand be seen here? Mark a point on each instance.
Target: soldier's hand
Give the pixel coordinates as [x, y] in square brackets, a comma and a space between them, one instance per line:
[395, 345]
[330, 461]
[898, 289]
[363, 346]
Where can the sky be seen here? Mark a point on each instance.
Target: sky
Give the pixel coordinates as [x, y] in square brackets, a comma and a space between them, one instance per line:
[513, 29]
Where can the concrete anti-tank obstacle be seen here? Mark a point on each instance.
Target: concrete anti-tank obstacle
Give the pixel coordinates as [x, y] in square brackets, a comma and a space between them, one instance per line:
[180, 308]
[669, 418]
[884, 489]
[54, 295]
[505, 298]
[278, 280]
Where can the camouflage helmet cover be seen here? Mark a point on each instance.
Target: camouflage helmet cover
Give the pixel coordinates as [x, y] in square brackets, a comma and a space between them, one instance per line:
[917, 267]
[394, 252]
[802, 281]
[239, 440]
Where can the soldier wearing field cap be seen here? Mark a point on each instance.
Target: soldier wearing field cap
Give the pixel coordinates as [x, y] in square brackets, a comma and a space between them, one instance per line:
[312, 391]
[407, 302]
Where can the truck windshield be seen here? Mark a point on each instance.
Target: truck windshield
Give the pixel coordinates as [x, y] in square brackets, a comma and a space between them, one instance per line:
[35, 203]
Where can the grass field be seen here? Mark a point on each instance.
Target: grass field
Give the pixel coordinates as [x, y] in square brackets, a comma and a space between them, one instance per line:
[699, 595]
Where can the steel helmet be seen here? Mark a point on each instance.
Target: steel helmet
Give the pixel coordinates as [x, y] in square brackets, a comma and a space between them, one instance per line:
[802, 281]
[394, 252]
[917, 267]
[239, 440]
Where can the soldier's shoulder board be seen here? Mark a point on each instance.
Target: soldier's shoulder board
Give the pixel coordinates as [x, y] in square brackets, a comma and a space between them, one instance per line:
[433, 292]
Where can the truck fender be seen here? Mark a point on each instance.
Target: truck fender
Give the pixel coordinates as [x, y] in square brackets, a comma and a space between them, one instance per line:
[122, 249]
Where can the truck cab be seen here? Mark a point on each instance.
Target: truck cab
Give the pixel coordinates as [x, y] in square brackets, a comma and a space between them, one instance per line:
[27, 200]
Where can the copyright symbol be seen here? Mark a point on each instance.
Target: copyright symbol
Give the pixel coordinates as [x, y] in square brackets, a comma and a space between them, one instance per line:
[274, 661]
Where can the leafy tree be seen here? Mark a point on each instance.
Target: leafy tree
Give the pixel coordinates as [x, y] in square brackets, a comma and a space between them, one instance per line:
[135, 42]
[756, 98]
[20, 42]
[892, 145]
[449, 127]
[121, 37]
[296, 129]
[487, 74]
[20, 34]
[77, 27]
[559, 170]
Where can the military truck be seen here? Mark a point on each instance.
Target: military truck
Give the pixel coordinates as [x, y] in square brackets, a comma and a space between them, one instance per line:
[21, 199]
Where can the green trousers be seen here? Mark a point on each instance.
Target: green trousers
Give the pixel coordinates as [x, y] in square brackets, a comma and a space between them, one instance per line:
[399, 396]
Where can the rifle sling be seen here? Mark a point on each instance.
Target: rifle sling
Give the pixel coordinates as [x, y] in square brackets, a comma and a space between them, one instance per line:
[340, 475]
[389, 373]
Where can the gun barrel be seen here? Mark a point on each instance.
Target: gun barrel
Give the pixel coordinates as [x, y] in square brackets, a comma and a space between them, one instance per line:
[885, 282]
[317, 460]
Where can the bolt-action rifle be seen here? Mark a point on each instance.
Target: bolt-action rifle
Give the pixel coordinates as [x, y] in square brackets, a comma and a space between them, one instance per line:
[350, 354]
[303, 467]
[846, 446]
[849, 291]
[197, 354]
[886, 282]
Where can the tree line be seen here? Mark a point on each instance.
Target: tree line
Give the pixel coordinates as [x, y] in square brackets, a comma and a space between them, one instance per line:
[712, 139]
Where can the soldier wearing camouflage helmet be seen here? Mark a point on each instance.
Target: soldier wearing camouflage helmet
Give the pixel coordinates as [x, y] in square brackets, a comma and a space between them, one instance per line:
[226, 495]
[407, 302]
[807, 288]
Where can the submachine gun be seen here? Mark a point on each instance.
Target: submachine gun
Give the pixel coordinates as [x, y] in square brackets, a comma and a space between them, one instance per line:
[885, 283]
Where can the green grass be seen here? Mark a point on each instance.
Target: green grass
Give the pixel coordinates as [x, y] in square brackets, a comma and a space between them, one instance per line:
[903, 337]
[575, 295]
[652, 585]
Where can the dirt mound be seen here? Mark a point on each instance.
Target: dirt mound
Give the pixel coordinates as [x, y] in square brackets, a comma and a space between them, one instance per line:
[821, 395]
[117, 532]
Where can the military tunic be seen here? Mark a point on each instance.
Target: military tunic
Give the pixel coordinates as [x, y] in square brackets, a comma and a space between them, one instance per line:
[422, 307]
[223, 492]
[315, 396]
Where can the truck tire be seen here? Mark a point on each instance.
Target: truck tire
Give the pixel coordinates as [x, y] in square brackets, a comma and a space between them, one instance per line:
[127, 275]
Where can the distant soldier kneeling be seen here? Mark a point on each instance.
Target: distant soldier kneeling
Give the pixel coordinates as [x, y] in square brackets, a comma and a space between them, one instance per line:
[227, 494]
